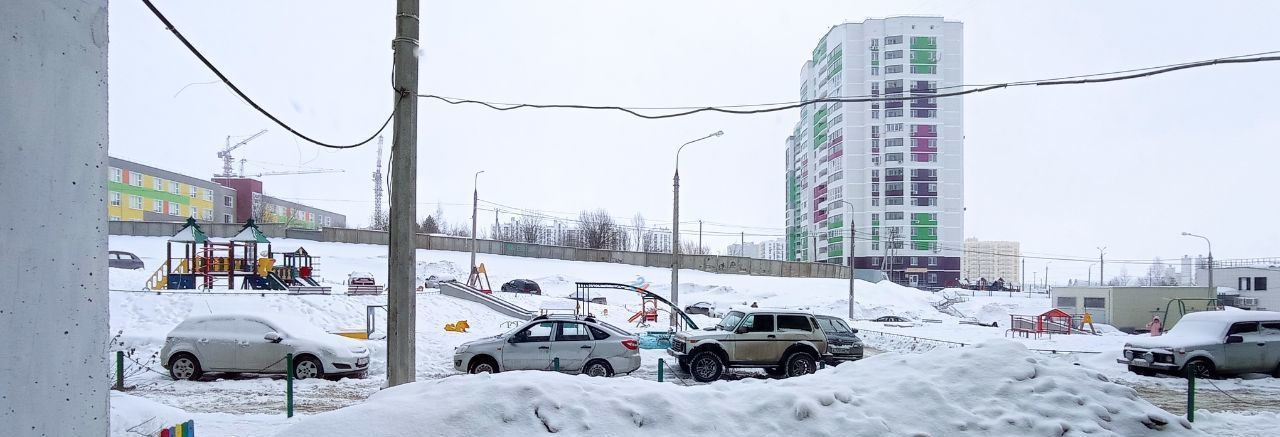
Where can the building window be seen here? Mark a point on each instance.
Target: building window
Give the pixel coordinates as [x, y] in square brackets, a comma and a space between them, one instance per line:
[195, 212]
[891, 201]
[116, 175]
[875, 71]
[157, 183]
[894, 142]
[208, 215]
[875, 202]
[175, 209]
[891, 113]
[924, 113]
[891, 69]
[924, 69]
[115, 218]
[933, 261]
[226, 201]
[173, 188]
[893, 215]
[135, 202]
[115, 198]
[1260, 283]
[914, 262]
[157, 206]
[891, 40]
[1095, 302]
[208, 194]
[195, 192]
[135, 178]
[893, 157]
[894, 127]
[893, 54]
[226, 218]
[1066, 302]
[875, 113]
[933, 278]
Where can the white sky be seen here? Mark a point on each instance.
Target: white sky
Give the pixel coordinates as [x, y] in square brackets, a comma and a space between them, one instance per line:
[1127, 165]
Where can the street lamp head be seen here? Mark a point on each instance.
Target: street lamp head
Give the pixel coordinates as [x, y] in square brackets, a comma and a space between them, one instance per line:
[1186, 234]
[718, 133]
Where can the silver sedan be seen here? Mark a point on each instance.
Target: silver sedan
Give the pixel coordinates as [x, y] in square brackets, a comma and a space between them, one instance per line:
[575, 344]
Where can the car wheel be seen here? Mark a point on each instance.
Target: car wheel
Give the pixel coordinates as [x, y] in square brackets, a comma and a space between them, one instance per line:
[307, 367]
[706, 366]
[684, 365]
[800, 363]
[598, 368]
[1201, 367]
[184, 366]
[483, 365]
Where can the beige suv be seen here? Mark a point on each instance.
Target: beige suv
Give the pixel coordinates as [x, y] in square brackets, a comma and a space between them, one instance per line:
[783, 342]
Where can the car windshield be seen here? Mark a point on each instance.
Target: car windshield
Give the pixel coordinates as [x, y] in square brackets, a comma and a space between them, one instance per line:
[730, 320]
[833, 325]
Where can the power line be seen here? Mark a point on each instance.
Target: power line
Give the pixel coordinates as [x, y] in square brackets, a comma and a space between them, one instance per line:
[168, 25]
[1069, 80]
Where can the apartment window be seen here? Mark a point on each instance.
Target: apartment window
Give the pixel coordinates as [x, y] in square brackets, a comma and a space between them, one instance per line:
[875, 71]
[893, 142]
[924, 69]
[893, 157]
[897, 215]
[896, 171]
[226, 218]
[157, 183]
[892, 201]
[892, 69]
[194, 192]
[875, 113]
[208, 215]
[116, 175]
[891, 113]
[1260, 283]
[1066, 302]
[924, 201]
[208, 194]
[893, 186]
[875, 88]
[175, 209]
[135, 202]
[924, 86]
[893, 54]
[933, 278]
[891, 40]
[837, 120]
[135, 178]
[115, 218]
[894, 127]
[157, 206]
[173, 187]
[914, 262]
[875, 44]
[226, 201]
[195, 212]
[893, 86]
[924, 113]
[115, 198]
[1095, 302]
[933, 261]
[875, 202]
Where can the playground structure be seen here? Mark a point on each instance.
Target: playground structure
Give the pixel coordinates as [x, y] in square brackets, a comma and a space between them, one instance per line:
[194, 261]
[649, 300]
[1054, 321]
[479, 279]
[296, 270]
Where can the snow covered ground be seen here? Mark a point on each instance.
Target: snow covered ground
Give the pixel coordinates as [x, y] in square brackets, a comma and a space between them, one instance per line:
[251, 405]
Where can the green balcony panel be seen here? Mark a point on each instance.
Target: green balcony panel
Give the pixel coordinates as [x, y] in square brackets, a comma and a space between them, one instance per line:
[924, 42]
[924, 57]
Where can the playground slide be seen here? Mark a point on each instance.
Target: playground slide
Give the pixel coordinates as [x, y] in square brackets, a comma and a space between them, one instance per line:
[309, 281]
[462, 291]
[271, 282]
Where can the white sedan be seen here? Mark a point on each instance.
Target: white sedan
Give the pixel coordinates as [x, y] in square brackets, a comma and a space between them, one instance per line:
[258, 344]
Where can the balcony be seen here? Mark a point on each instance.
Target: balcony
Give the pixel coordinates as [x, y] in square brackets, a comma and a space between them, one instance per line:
[893, 193]
[897, 90]
[925, 103]
[924, 131]
[893, 178]
[893, 104]
[924, 43]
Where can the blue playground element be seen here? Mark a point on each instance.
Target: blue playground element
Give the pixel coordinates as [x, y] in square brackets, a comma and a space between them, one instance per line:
[656, 340]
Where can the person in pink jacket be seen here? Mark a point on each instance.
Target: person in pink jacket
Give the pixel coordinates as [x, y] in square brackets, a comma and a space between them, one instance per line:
[1155, 326]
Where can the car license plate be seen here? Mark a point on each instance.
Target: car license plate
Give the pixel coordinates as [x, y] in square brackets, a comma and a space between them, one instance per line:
[362, 362]
[839, 349]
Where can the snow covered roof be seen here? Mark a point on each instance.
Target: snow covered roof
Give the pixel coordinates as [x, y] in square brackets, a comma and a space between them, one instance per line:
[190, 233]
[250, 233]
[748, 309]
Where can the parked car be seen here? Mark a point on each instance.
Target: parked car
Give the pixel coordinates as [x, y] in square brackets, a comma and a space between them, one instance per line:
[521, 286]
[842, 341]
[783, 342]
[434, 281]
[891, 319]
[704, 308]
[583, 344]
[361, 278]
[258, 344]
[124, 260]
[1211, 343]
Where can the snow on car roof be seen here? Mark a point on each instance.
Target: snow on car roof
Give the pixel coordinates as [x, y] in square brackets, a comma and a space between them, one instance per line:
[749, 310]
[1232, 315]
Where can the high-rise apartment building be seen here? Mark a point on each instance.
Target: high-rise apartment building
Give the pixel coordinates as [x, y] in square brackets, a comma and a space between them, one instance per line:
[899, 163]
[992, 260]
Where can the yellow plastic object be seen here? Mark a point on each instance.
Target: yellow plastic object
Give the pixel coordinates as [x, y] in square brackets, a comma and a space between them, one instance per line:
[359, 335]
[460, 326]
[264, 266]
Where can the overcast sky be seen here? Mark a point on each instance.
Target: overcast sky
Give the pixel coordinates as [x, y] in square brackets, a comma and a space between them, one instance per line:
[1125, 165]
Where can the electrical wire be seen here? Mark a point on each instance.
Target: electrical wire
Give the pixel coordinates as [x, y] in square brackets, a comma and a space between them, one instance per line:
[1069, 80]
[1229, 396]
[168, 25]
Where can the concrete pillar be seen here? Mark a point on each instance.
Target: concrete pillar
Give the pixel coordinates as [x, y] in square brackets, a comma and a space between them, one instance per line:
[54, 377]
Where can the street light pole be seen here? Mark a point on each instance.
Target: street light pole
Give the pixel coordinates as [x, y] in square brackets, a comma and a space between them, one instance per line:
[1046, 276]
[1089, 282]
[675, 232]
[853, 235]
[1213, 294]
[475, 204]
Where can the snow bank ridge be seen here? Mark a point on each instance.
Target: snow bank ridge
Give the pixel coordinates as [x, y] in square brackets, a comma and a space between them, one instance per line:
[996, 388]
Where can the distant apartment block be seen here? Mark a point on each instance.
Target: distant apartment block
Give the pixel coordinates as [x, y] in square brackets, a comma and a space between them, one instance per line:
[992, 260]
[772, 249]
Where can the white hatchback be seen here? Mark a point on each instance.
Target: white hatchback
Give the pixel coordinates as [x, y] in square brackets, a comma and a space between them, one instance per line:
[242, 343]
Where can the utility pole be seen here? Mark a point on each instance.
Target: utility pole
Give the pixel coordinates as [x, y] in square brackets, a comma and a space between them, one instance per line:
[699, 235]
[742, 244]
[475, 207]
[675, 231]
[402, 265]
[1102, 277]
[1023, 276]
[497, 232]
[1046, 276]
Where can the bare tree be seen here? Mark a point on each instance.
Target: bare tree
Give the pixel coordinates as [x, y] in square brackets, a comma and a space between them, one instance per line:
[598, 229]
[529, 228]
[692, 248]
[637, 222]
[441, 224]
[380, 221]
[1122, 280]
[459, 231]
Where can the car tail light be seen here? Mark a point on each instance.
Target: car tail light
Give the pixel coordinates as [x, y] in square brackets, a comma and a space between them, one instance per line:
[630, 344]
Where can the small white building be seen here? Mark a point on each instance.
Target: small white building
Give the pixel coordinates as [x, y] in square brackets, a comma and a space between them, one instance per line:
[1256, 281]
[1131, 308]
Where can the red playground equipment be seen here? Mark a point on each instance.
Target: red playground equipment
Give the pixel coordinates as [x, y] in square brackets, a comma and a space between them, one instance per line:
[204, 263]
[297, 270]
[648, 306]
[1054, 321]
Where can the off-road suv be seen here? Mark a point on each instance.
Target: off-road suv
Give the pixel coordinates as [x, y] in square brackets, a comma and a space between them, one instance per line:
[783, 342]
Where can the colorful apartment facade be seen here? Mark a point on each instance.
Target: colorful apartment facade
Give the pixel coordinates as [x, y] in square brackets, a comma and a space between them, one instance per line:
[138, 192]
[881, 183]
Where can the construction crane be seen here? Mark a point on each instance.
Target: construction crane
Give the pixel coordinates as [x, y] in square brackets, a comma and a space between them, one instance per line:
[377, 182]
[225, 153]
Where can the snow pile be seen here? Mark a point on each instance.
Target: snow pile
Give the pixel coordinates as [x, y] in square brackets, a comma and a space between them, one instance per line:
[132, 415]
[994, 388]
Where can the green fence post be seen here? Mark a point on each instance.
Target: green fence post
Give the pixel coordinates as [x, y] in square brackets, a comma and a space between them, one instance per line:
[119, 370]
[822, 364]
[1191, 394]
[288, 385]
[555, 364]
[661, 365]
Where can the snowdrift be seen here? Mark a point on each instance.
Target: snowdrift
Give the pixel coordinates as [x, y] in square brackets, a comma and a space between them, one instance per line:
[132, 415]
[993, 388]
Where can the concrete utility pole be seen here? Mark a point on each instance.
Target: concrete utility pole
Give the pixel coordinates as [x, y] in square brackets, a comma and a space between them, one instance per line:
[853, 238]
[1102, 278]
[1046, 276]
[1213, 292]
[401, 275]
[699, 235]
[675, 232]
[475, 206]
[1024, 276]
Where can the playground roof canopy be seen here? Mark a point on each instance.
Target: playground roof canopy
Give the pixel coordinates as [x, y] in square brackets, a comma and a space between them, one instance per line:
[250, 233]
[190, 233]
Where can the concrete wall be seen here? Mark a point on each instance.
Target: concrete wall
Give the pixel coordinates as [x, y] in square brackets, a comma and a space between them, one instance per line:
[167, 229]
[53, 174]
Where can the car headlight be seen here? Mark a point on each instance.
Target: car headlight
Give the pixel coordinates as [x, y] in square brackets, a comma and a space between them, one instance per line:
[357, 350]
[460, 349]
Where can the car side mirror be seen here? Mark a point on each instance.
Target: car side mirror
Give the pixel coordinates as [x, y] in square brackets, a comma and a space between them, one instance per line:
[855, 330]
[741, 330]
[272, 337]
[1234, 339]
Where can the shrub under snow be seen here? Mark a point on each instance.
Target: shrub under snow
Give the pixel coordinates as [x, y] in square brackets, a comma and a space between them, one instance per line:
[996, 388]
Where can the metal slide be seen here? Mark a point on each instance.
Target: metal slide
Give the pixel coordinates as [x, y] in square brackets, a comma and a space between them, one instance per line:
[462, 291]
[585, 286]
